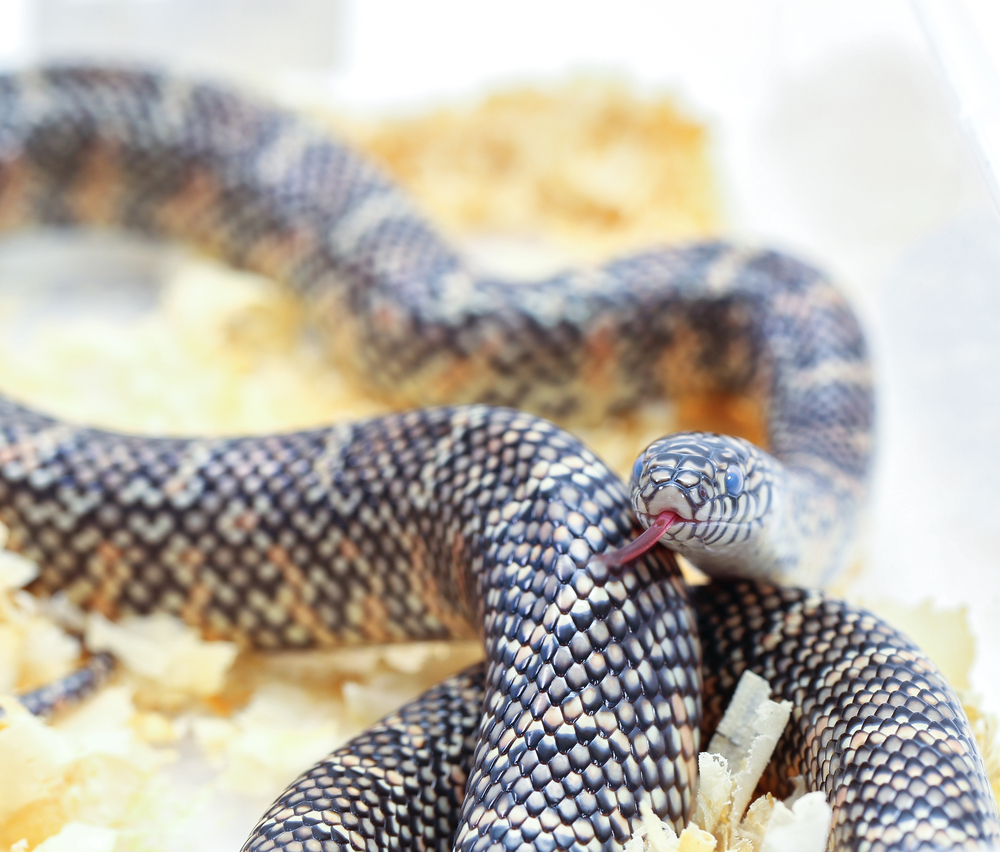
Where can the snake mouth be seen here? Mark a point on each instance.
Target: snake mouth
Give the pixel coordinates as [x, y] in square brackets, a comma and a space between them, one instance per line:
[644, 541]
[677, 519]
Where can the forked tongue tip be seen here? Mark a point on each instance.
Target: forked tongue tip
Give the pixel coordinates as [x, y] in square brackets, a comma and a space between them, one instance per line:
[641, 543]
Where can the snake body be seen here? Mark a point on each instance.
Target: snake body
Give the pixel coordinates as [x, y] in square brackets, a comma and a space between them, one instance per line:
[875, 727]
[476, 518]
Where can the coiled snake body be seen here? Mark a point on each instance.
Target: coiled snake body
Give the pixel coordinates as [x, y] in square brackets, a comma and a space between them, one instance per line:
[444, 521]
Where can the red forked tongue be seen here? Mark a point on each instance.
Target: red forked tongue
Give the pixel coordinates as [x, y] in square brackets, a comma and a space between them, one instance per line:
[642, 543]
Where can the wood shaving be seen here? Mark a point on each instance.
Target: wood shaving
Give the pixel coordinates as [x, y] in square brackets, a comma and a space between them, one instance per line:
[592, 166]
[172, 664]
[728, 773]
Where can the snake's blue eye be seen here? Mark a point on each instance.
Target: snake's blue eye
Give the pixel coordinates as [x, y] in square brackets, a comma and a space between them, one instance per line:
[637, 468]
[734, 481]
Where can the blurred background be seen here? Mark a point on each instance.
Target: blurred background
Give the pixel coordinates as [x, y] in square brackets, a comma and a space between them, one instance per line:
[863, 136]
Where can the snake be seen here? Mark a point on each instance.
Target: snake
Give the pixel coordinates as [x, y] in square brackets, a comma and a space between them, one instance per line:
[470, 513]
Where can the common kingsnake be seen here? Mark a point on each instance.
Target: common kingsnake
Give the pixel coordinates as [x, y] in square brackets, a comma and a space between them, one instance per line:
[448, 521]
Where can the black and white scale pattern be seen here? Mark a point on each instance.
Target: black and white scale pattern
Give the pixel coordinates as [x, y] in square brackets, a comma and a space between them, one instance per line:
[444, 521]
[874, 726]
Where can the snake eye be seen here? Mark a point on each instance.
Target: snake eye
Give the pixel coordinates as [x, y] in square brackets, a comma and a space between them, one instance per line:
[734, 481]
[637, 468]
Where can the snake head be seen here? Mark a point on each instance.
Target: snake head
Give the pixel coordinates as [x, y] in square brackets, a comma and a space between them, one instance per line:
[719, 489]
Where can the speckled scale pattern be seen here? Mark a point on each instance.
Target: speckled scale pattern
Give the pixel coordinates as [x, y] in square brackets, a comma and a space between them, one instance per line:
[277, 541]
[406, 776]
[412, 525]
[591, 707]
[874, 724]
[441, 522]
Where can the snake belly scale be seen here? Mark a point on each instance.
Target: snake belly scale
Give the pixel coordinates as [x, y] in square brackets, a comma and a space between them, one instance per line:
[477, 518]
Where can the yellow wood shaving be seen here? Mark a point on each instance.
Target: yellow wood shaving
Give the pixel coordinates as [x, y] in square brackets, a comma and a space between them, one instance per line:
[728, 773]
[588, 164]
[173, 661]
[80, 837]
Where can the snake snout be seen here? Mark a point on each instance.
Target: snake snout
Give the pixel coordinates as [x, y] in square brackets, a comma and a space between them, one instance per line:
[672, 498]
[683, 484]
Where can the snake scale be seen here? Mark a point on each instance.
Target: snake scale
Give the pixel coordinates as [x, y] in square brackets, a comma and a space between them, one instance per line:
[477, 518]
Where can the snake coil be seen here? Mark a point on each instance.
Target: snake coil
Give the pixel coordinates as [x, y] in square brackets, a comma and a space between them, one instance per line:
[477, 518]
